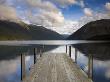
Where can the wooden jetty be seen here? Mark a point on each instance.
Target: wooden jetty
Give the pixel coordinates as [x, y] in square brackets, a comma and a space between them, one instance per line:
[56, 67]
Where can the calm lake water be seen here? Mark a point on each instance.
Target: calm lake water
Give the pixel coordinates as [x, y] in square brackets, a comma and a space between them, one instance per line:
[10, 64]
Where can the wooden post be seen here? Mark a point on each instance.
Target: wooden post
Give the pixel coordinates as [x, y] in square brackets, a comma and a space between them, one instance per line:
[90, 67]
[23, 71]
[66, 48]
[35, 55]
[70, 51]
[43, 48]
[40, 53]
[76, 55]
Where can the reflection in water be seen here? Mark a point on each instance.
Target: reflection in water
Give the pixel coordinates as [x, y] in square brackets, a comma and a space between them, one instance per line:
[99, 51]
[101, 71]
[11, 52]
[10, 61]
[101, 54]
[9, 70]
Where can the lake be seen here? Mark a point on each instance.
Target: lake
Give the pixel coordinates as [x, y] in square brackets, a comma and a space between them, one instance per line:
[10, 60]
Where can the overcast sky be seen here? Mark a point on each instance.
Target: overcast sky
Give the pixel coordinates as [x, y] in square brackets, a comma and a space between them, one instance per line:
[63, 16]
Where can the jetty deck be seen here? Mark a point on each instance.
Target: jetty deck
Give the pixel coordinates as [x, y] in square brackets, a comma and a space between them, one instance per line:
[56, 67]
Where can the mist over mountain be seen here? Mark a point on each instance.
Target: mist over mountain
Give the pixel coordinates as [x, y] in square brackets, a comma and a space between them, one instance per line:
[96, 30]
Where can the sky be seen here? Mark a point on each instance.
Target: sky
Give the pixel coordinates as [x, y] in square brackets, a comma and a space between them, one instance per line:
[63, 16]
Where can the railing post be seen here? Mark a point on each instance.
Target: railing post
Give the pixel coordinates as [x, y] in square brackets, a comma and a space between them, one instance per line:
[66, 48]
[76, 55]
[90, 67]
[70, 51]
[23, 71]
[35, 55]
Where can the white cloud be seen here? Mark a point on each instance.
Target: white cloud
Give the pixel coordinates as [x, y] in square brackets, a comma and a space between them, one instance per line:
[88, 12]
[8, 13]
[97, 16]
[47, 13]
[50, 16]
[65, 3]
[107, 5]
[47, 18]
[43, 5]
[82, 3]
[68, 27]
[55, 18]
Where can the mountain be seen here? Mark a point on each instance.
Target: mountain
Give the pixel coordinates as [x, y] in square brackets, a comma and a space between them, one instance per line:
[21, 31]
[65, 36]
[11, 31]
[96, 30]
[42, 33]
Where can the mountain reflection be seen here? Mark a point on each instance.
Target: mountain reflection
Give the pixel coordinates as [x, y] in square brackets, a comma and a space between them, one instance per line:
[100, 51]
[12, 52]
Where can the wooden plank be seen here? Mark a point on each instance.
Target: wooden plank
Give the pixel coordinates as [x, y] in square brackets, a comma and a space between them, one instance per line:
[57, 68]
